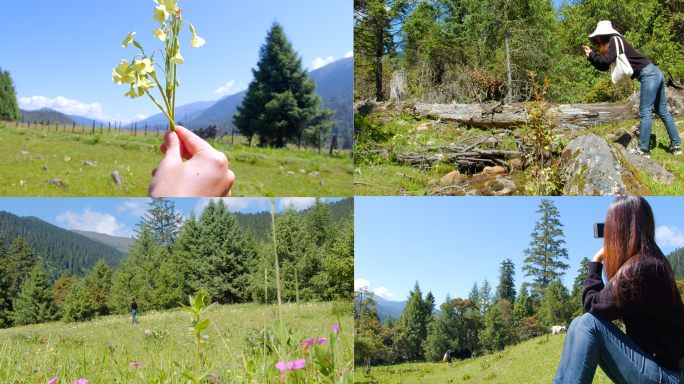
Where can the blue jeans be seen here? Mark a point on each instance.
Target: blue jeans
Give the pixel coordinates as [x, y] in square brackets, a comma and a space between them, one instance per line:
[653, 94]
[133, 311]
[592, 341]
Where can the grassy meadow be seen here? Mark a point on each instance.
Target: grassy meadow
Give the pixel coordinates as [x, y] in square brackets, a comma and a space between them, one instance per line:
[101, 350]
[534, 361]
[379, 174]
[258, 171]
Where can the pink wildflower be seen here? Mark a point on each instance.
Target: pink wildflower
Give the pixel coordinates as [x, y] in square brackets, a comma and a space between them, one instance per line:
[136, 364]
[336, 328]
[309, 342]
[291, 365]
[53, 380]
[322, 340]
[81, 381]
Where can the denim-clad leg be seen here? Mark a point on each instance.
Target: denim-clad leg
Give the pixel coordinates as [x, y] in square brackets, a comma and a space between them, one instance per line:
[134, 319]
[653, 94]
[592, 342]
[665, 116]
[649, 91]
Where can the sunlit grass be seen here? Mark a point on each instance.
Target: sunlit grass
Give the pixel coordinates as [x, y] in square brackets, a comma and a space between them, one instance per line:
[101, 350]
[258, 170]
[531, 362]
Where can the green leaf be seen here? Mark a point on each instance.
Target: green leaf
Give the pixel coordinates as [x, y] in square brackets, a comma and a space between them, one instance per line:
[189, 309]
[188, 377]
[204, 324]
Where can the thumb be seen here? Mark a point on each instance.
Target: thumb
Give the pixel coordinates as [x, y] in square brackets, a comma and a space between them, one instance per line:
[172, 147]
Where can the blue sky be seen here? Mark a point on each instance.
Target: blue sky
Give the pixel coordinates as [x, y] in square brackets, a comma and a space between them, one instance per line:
[60, 54]
[118, 216]
[449, 244]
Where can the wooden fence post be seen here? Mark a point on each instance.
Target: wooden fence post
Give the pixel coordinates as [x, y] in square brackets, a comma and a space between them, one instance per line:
[73, 127]
[145, 129]
[100, 128]
[93, 127]
[48, 126]
[136, 129]
[56, 126]
[157, 130]
[109, 129]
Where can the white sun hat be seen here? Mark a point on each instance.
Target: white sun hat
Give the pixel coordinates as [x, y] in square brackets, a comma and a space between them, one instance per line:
[603, 28]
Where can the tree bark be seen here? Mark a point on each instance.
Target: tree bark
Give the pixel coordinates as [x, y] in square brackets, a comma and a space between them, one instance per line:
[507, 116]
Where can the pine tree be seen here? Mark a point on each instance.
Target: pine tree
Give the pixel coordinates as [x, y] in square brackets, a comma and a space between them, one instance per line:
[493, 336]
[413, 322]
[34, 303]
[578, 288]
[523, 305]
[5, 302]
[9, 109]
[167, 286]
[163, 221]
[555, 308]
[543, 257]
[281, 101]
[184, 251]
[100, 284]
[339, 263]
[221, 257]
[375, 26]
[389, 322]
[19, 261]
[485, 298]
[443, 332]
[506, 288]
[318, 221]
[79, 305]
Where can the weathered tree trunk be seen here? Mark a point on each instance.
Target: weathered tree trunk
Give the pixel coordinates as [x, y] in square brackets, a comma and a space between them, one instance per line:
[505, 116]
[509, 94]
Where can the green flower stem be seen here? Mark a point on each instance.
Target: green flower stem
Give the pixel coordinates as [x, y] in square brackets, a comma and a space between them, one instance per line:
[173, 125]
[280, 303]
[173, 105]
[197, 361]
[154, 76]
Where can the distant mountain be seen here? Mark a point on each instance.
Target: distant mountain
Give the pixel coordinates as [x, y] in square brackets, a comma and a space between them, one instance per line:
[676, 260]
[87, 121]
[57, 248]
[335, 84]
[45, 115]
[120, 243]
[221, 113]
[192, 110]
[388, 308]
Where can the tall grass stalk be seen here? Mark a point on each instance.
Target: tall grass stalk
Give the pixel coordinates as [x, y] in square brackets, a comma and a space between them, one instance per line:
[281, 323]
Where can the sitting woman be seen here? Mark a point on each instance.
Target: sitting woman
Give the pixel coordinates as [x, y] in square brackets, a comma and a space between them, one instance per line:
[652, 84]
[642, 291]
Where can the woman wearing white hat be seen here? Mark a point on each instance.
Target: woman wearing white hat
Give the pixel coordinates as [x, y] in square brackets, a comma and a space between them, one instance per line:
[651, 78]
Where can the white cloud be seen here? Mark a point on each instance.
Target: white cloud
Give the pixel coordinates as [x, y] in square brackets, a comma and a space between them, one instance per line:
[669, 236]
[382, 292]
[321, 62]
[135, 207]
[361, 283]
[228, 88]
[298, 203]
[66, 106]
[140, 117]
[94, 222]
[349, 54]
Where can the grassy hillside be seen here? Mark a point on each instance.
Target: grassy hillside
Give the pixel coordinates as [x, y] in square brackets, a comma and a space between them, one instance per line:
[259, 171]
[101, 350]
[534, 361]
[120, 243]
[45, 115]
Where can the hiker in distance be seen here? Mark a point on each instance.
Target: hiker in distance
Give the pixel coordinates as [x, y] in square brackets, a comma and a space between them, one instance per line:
[134, 309]
[642, 292]
[620, 57]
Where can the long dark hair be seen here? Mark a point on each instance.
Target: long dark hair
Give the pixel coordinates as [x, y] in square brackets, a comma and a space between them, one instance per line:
[629, 245]
[603, 43]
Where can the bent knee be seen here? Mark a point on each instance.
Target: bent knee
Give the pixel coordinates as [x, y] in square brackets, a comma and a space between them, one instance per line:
[586, 321]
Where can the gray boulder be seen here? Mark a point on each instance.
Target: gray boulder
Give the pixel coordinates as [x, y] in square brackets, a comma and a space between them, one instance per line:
[647, 165]
[590, 166]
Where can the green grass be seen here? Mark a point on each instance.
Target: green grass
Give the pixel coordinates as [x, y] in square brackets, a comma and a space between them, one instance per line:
[257, 170]
[382, 175]
[101, 350]
[534, 361]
